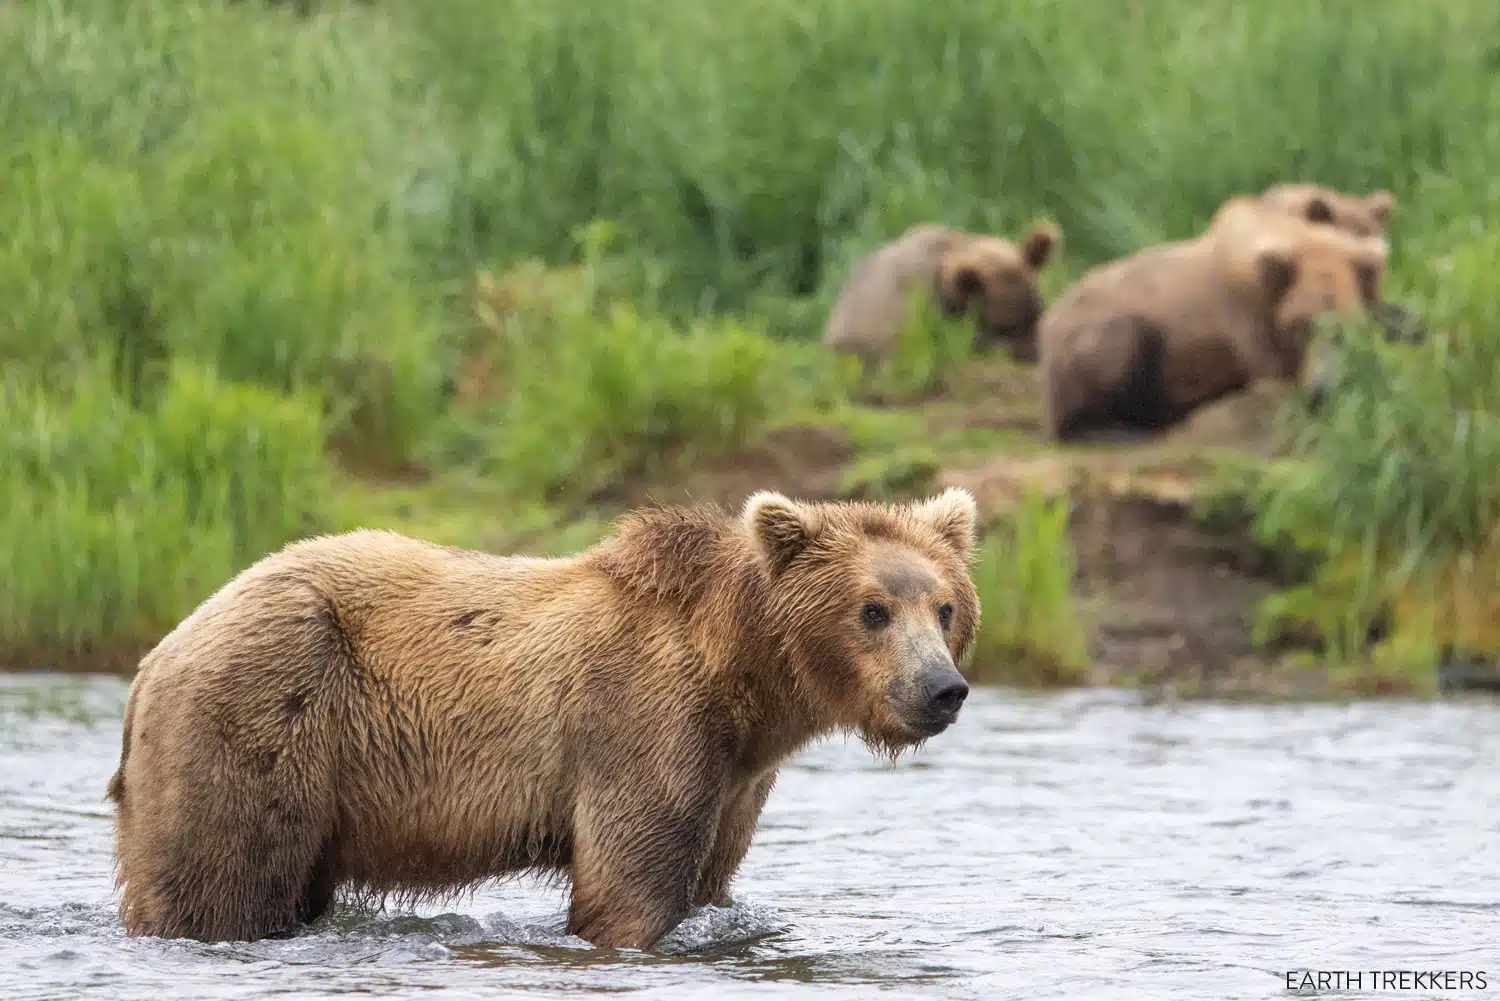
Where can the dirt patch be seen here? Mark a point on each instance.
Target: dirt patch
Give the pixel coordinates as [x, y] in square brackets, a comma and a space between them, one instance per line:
[806, 462]
[997, 395]
[1168, 599]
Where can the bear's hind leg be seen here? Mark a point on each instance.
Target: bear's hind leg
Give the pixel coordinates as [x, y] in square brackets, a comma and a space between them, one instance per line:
[232, 863]
[1140, 406]
[230, 783]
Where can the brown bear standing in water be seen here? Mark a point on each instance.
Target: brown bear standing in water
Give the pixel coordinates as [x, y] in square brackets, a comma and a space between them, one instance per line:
[961, 270]
[375, 712]
[1136, 345]
[1365, 216]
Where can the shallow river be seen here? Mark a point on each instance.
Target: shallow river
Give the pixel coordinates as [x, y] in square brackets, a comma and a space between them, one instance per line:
[1072, 846]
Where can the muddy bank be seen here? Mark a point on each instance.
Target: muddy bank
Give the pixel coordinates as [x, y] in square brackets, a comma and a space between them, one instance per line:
[1168, 599]
[116, 658]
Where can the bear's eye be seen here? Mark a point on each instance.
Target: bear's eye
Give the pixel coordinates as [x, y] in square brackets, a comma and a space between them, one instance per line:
[945, 614]
[875, 615]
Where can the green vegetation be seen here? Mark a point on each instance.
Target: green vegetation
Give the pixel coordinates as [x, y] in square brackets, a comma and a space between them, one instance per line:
[120, 518]
[930, 349]
[466, 267]
[611, 391]
[1031, 631]
[1398, 500]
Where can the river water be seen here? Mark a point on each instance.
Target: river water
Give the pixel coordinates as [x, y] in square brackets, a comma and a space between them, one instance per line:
[1082, 845]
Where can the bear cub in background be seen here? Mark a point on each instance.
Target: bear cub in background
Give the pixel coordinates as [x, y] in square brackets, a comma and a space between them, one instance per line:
[992, 278]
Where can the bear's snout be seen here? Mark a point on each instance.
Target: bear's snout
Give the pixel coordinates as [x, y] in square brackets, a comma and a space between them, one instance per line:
[945, 691]
[941, 692]
[949, 698]
[1013, 320]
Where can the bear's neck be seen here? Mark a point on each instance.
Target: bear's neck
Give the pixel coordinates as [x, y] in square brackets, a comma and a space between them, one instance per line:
[698, 562]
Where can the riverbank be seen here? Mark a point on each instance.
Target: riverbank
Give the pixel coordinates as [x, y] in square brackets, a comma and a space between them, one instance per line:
[1133, 567]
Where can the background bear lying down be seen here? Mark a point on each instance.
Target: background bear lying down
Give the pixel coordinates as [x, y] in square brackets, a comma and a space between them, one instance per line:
[962, 273]
[372, 711]
[1137, 345]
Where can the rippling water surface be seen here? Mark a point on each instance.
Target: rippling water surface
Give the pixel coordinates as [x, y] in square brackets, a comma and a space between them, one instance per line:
[1070, 846]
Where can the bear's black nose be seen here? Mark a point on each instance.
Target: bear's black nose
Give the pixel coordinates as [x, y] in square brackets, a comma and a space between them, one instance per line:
[948, 695]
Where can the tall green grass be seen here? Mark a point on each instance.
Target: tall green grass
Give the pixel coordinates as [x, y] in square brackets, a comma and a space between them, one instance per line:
[1031, 630]
[294, 205]
[929, 349]
[215, 182]
[758, 146]
[117, 520]
[575, 388]
[1400, 501]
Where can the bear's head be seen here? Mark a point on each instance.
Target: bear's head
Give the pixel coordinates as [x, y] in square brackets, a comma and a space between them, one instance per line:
[1365, 216]
[1313, 273]
[997, 280]
[876, 606]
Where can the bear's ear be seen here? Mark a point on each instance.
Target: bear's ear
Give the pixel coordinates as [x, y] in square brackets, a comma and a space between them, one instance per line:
[779, 527]
[953, 514]
[1381, 204]
[1040, 244]
[1276, 269]
[1318, 210]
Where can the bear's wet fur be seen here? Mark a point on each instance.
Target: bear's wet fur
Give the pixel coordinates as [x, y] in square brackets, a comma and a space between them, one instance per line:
[392, 717]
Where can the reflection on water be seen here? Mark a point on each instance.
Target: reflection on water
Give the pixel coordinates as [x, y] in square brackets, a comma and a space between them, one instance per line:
[1070, 846]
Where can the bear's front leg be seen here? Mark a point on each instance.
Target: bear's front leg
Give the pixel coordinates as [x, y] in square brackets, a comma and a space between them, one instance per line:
[736, 830]
[636, 859]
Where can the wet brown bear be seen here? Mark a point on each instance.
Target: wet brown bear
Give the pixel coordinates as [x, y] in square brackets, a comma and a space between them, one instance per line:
[1136, 345]
[375, 712]
[1364, 216]
[962, 271]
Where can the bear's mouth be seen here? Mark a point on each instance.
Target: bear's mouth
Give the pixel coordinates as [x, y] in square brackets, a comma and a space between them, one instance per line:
[925, 721]
[930, 723]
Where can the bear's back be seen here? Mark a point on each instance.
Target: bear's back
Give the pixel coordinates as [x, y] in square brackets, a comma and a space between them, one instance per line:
[1163, 284]
[873, 303]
